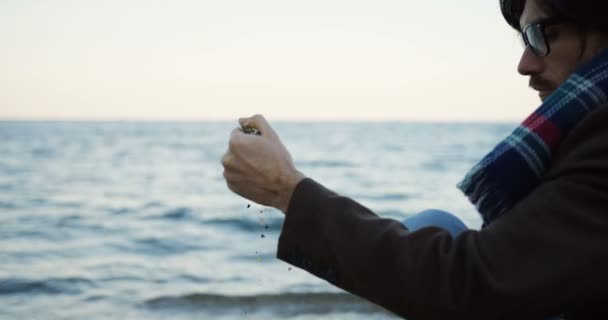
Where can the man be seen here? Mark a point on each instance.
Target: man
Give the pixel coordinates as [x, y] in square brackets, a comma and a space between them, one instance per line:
[542, 193]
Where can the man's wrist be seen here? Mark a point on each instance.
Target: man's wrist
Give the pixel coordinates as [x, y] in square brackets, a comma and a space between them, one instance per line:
[289, 187]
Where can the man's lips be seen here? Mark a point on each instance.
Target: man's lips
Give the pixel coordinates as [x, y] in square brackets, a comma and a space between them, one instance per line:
[543, 91]
[543, 87]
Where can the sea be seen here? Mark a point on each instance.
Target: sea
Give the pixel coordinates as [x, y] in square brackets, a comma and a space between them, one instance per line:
[133, 220]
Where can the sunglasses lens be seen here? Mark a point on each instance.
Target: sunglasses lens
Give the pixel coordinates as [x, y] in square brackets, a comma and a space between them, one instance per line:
[536, 40]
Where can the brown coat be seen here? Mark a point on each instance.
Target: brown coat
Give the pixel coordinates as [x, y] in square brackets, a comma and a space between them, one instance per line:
[548, 255]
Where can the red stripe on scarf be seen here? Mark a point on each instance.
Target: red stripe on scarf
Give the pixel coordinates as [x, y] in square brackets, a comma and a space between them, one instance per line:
[544, 128]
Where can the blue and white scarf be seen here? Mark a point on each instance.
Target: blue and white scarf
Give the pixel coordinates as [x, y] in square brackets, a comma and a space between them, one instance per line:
[515, 166]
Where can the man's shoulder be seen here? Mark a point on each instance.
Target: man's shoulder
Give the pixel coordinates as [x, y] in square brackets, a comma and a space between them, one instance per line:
[586, 146]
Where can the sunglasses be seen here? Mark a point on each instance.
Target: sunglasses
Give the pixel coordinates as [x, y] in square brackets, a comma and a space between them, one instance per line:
[534, 36]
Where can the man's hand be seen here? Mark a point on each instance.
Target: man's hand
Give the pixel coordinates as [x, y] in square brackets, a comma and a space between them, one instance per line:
[259, 167]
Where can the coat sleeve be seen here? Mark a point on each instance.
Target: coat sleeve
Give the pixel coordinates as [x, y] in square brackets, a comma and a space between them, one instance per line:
[546, 255]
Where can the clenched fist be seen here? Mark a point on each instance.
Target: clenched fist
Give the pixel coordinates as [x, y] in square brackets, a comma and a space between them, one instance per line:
[259, 167]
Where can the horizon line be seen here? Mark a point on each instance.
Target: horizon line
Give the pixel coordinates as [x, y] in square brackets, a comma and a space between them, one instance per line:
[291, 120]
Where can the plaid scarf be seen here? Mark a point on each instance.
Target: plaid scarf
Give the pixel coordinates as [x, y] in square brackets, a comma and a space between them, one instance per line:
[515, 166]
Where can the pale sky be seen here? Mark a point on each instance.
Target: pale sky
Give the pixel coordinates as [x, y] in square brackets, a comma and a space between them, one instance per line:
[400, 60]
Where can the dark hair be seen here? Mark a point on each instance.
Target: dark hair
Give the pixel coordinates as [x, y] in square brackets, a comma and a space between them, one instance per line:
[591, 14]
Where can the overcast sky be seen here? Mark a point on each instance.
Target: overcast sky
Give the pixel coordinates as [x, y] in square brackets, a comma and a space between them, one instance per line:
[435, 60]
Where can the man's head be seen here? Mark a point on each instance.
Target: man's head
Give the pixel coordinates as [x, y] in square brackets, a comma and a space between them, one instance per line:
[560, 35]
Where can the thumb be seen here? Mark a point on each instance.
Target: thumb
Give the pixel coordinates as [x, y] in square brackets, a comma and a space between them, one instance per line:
[259, 122]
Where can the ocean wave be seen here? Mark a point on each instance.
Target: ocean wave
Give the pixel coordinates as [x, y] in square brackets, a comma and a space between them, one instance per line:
[120, 211]
[153, 204]
[50, 286]
[285, 303]
[7, 205]
[258, 256]
[162, 246]
[262, 224]
[157, 246]
[326, 163]
[43, 152]
[385, 196]
[177, 214]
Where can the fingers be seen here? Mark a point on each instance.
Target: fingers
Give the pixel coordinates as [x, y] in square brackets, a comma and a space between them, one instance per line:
[238, 138]
[240, 141]
[259, 122]
[230, 183]
[235, 135]
[231, 173]
[227, 159]
[231, 164]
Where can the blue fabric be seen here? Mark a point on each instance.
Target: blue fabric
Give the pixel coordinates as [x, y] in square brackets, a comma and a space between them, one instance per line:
[435, 218]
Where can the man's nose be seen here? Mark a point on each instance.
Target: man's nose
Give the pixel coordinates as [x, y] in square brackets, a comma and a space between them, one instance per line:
[529, 63]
